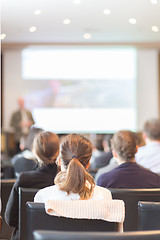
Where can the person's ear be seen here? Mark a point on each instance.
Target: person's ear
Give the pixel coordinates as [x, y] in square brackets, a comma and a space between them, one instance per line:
[88, 165]
[58, 161]
[136, 148]
[114, 154]
[144, 135]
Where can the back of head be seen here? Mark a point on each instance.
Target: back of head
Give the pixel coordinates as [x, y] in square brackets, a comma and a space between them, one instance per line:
[107, 141]
[124, 143]
[46, 147]
[75, 155]
[29, 140]
[152, 129]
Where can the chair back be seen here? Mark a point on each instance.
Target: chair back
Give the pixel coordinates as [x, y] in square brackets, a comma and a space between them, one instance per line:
[37, 218]
[25, 194]
[59, 235]
[149, 215]
[131, 197]
[6, 187]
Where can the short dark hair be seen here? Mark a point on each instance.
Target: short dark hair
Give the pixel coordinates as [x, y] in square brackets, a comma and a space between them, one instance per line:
[152, 129]
[124, 144]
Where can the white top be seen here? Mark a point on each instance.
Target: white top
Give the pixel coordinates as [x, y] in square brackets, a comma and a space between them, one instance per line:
[148, 156]
[53, 193]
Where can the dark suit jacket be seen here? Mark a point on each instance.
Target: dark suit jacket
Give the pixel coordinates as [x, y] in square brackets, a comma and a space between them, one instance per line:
[129, 175]
[15, 123]
[40, 178]
[102, 161]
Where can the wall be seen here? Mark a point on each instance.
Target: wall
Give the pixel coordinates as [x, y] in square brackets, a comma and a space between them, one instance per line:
[147, 84]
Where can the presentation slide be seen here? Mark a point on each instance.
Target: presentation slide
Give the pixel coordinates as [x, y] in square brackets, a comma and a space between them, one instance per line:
[81, 89]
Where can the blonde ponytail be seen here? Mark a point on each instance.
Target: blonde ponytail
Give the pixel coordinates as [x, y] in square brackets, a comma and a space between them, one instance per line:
[76, 180]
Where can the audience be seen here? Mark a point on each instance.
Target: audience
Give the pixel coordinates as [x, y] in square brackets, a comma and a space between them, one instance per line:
[26, 161]
[73, 182]
[46, 150]
[148, 156]
[128, 174]
[113, 162]
[105, 156]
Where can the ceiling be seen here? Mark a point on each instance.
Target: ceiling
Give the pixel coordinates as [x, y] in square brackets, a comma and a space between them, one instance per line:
[17, 16]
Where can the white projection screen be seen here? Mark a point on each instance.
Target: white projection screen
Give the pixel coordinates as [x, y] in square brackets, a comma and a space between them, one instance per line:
[81, 89]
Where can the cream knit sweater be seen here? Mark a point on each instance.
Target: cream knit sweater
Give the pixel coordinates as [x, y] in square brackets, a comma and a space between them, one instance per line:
[112, 210]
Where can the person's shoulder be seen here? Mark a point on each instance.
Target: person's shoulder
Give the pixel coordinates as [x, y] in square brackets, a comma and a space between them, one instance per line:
[103, 191]
[48, 189]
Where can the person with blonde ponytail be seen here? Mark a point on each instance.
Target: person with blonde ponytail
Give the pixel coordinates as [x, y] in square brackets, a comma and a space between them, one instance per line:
[73, 182]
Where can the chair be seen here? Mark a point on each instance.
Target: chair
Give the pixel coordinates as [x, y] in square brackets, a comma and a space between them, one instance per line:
[149, 215]
[25, 194]
[37, 218]
[6, 187]
[131, 197]
[58, 235]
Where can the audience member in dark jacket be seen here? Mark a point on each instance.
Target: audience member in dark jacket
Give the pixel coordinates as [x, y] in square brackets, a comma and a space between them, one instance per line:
[25, 160]
[46, 150]
[128, 174]
[105, 156]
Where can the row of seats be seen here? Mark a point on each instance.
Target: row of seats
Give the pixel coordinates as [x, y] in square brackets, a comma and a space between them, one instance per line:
[131, 197]
[59, 235]
[37, 218]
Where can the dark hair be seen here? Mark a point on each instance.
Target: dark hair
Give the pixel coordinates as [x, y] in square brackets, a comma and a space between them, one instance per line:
[124, 144]
[76, 151]
[30, 138]
[152, 129]
[46, 147]
[107, 138]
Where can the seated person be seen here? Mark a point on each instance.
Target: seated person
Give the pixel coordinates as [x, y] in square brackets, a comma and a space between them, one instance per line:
[73, 182]
[25, 160]
[113, 162]
[148, 156]
[104, 158]
[128, 174]
[46, 150]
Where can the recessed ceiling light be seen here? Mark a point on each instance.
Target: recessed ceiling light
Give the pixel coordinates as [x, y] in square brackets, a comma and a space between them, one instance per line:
[132, 21]
[154, 1]
[107, 11]
[66, 21]
[155, 29]
[87, 35]
[32, 29]
[3, 35]
[37, 12]
[76, 1]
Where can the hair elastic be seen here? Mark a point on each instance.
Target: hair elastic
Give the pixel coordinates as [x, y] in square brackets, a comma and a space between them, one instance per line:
[74, 157]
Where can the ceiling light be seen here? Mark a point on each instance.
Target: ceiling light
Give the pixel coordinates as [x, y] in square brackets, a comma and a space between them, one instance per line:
[3, 35]
[106, 11]
[37, 12]
[32, 29]
[155, 29]
[77, 1]
[132, 21]
[87, 35]
[154, 1]
[66, 21]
